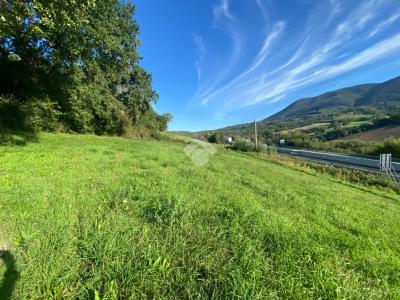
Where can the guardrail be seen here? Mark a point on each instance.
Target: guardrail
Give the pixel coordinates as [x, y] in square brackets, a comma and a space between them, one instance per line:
[332, 157]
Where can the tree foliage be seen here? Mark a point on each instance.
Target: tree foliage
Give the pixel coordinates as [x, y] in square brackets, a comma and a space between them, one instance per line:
[72, 64]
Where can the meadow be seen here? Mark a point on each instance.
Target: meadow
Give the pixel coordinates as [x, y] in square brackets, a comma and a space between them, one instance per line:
[87, 217]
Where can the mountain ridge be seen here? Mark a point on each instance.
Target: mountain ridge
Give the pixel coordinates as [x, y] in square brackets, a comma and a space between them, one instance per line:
[369, 98]
[324, 100]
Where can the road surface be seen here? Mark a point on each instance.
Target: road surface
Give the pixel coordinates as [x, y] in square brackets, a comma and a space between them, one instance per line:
[353, 162]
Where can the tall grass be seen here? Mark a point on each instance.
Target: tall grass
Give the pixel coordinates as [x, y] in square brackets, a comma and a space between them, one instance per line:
[372, 180]
[88, 217]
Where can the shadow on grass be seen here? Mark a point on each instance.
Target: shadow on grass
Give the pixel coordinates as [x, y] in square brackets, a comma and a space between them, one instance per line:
[10, 277]
[8, 138]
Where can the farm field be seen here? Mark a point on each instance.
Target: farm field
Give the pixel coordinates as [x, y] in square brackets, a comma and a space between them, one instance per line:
[312, 126]
[86, 217]
[357, 124]
[378, 134]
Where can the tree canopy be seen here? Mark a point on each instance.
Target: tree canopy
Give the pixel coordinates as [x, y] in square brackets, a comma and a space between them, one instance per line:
[73, 65]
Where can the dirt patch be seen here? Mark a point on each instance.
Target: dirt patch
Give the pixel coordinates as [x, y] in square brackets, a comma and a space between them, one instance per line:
[4, 240]
[378, 134]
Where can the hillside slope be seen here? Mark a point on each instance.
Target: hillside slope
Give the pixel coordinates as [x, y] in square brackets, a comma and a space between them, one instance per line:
[86, 217]
[338, 100]
[366, 99]
[379, 134]
[381, 96]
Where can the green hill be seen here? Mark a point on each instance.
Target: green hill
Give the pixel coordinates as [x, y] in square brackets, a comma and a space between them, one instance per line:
[384, 96]
[87, 217]
[340, 100]
[357, 103]
[376, 96]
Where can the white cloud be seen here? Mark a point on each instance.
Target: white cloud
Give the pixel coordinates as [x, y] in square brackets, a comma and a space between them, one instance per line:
[316, 53]
[262, 8]
[260, 58]
[223, 72]
[266, 48]
[336, 7]
[200, 49]
[366, 57]
[222, 10]
[354, 23]
[384, 25]
[199, 43]
[211, 83]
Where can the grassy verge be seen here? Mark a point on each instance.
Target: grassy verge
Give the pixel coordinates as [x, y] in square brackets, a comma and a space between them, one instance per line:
[372, 181]
[86, 217]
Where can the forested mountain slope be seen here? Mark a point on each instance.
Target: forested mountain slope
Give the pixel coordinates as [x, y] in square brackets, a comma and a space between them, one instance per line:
[373, 99]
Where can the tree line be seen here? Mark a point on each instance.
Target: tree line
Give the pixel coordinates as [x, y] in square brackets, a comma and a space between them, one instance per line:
[74, 66]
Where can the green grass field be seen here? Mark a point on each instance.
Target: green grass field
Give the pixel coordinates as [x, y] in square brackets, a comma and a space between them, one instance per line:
[86, 217]
[312, 126]
[357, 124]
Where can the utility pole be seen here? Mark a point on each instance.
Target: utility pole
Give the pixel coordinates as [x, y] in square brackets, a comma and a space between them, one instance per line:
[255, 133]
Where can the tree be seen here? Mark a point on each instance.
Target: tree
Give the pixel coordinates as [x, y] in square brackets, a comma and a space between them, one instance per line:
[76, 60]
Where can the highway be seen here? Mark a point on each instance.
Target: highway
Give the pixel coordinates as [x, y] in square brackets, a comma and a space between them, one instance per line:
[353, 162]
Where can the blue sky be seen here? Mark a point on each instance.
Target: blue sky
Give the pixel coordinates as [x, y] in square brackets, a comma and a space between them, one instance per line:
[222, 62]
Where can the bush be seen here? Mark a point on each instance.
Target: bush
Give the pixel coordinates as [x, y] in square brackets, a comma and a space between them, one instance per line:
[243, 145]
[10, 113]
[390, 145]
[260, 148]
[215, 138]
[150, 124]
[125, 122]
[32, 115]
[246, 146]
[353, 146]
[141, 131]
[40, 115]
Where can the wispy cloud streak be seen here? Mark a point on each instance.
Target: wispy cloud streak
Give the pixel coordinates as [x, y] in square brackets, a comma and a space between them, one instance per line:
[284, 63]
[267, 46]
[222, 10]
[385, 24]
[200, 49]
[262, 7]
